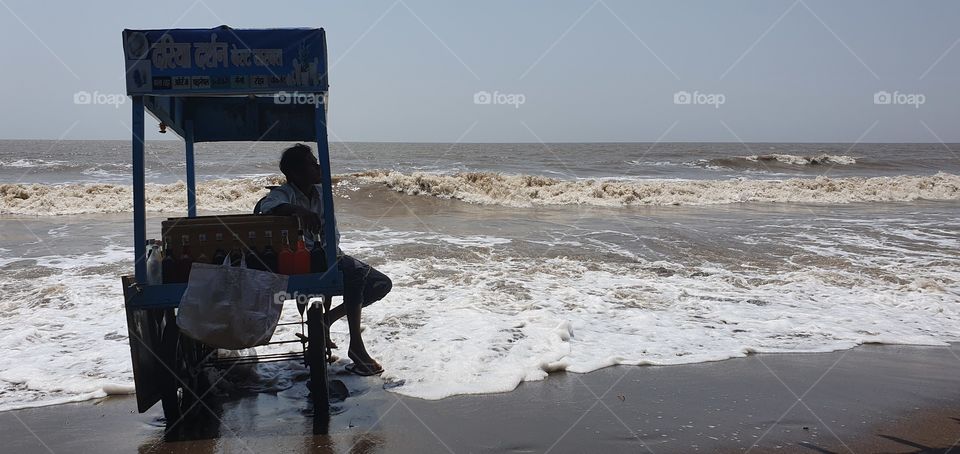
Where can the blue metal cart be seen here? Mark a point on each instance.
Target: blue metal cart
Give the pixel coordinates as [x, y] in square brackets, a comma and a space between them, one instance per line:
[210, 85]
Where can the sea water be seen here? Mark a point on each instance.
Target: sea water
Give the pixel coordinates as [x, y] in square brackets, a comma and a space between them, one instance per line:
[511, 261]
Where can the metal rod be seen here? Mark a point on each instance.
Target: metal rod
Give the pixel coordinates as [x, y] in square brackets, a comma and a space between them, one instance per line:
[254, 361]
[191, 172]
[139, 199]
[263, 356]
[283, 342]
[281, 355]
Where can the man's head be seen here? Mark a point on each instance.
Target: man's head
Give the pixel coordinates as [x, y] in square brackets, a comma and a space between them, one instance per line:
[300, 166]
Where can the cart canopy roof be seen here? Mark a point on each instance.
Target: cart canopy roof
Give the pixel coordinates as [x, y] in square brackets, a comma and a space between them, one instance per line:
[230, 84]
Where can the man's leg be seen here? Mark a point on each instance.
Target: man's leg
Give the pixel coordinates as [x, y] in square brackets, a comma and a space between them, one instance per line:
[362, 285]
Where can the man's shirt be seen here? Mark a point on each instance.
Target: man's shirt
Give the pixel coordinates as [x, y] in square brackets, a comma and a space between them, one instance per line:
[288, 193]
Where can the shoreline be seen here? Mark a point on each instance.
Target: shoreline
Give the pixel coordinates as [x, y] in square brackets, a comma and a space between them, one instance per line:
[874, 398]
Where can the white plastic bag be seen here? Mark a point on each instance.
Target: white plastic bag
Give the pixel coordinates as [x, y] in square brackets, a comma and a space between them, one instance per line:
[231, 307]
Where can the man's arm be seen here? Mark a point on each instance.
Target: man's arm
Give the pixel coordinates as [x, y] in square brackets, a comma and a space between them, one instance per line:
[277, 202]
[308, 219]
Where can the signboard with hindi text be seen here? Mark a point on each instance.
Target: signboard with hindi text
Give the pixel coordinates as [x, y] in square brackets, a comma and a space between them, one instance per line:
[226, 61]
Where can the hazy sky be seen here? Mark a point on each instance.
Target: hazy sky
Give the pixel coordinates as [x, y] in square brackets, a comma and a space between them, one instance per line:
[605, 70]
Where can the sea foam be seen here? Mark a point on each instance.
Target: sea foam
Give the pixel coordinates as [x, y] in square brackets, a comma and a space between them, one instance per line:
[79, 198]
[820, 159]
[530, 190]
[241, 194]
[486, 325]
[476, 315]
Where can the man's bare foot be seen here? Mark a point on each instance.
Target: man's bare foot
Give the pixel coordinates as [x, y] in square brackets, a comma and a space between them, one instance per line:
[363, 364]
[364, 370]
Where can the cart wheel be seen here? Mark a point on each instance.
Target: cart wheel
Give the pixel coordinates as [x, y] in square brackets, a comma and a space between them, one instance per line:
[183, 385]
[316, 357]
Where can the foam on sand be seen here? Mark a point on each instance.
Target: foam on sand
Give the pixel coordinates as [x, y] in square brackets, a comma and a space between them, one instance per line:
[486, 325]
[530, 190]
[477, 315]
[63, 330]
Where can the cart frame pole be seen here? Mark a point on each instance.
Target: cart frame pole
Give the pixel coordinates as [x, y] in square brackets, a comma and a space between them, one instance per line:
[191, 172]
[323, 154]
[139, 200]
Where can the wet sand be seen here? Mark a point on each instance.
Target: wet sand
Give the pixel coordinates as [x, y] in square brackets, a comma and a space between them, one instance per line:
[870, 399]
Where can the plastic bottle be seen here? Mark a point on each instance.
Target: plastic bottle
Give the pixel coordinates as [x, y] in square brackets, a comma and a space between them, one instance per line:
[318, 258]
[169, 267]
[201, 240]
[186, 259]
[301, 257]
[253, 258]
[236, 253]
[154, 263]
[220, 253]
[285, 257]
[269, 256]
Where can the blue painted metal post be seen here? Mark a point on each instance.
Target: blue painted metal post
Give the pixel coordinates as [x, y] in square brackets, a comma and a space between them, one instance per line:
[191, 174]
[139, 200]
[323, 155]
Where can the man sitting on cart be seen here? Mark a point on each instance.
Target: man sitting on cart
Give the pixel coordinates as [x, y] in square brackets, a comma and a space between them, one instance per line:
[362, 284]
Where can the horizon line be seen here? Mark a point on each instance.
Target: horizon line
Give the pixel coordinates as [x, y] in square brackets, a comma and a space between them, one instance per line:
[904, 142]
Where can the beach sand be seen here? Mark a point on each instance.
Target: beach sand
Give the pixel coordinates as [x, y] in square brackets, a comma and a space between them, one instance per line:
[868, 399]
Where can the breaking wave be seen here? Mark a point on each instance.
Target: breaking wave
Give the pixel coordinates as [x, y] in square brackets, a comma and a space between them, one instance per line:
[528, 190]
[819, 159]
[776, 160]
[487, 188]
[82, 198]
[31, 163]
